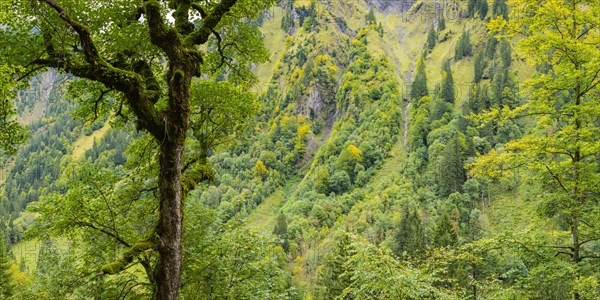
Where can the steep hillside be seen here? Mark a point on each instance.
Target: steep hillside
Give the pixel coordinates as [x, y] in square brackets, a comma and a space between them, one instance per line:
[377, 167]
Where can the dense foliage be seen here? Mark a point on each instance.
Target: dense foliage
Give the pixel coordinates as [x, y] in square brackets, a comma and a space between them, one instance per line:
[449, 157]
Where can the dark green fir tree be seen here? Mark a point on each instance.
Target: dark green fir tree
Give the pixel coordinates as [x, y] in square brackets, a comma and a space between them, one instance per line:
[6, 284]
[444, 234]
[419, 85]
[282, 232]
[409, 237]
[447, 90]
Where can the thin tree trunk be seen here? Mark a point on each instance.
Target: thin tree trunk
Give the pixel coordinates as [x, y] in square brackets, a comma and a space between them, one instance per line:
[579, 200]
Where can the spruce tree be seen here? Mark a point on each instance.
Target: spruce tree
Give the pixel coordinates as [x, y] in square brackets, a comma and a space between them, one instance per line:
[505, 53]
[478, 67]
[409, 238]
[490, 46]
[441, 23]
[452, 173]
[370, 18]
[464, 47]
[380, 30]
[334, 265]
[6, 284]
[419, 85]
[282, 232]
[500, 8]
[471, 7]
[444, 234]
[482, 8]
[447, 92]
[431, 38]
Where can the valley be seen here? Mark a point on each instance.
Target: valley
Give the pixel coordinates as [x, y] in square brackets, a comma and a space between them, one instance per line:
[336, 149]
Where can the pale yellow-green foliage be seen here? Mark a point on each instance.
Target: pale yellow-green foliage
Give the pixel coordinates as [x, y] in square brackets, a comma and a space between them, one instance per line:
[302, 132]
[259, 168]
[563, 29]
[559, 153]
[20, 279]
[86, 142]
[356, 153]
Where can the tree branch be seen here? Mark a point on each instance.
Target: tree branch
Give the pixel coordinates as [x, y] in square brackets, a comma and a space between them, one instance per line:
[589, 256]
[165, 37]
[199, 9]
[97, 69]
[587, 241]
[110, 234]
[102, 94]
[89, 48]
[209, 23]
[557, 179]
[562, 252]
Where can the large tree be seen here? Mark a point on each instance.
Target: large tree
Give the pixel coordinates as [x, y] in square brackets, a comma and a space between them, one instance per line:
[11, 133]
[138, 59]
[419, 84]
[563, 40]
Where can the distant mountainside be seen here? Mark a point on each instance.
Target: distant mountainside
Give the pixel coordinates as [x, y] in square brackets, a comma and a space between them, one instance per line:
[356, 161]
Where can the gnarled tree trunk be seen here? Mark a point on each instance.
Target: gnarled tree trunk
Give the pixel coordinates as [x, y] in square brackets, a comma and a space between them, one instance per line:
[169, 230]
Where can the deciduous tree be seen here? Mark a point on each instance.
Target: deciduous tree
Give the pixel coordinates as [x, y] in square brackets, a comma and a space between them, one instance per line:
[561, 152]
[145, 61]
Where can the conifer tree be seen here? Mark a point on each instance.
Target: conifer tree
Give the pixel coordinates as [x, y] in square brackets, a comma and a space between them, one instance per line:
[464, 47]
[6, 284]
[478, 66]
[505, 54]
[471, 5]
[281, 231]
[444, 234]
[370, 18]
[447, 89]
[482, 8]
[409, 237]
[334, 265]
[419, 85]
[441, 23]
[500, 8]
[452, 173]
[322, 180]
[431, 38]
[380, 30]
[490, 46]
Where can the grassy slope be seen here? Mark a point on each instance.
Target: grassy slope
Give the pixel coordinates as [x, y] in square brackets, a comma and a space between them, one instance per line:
[264, 216]
[86, 142]
[274, 39]
[27, 250]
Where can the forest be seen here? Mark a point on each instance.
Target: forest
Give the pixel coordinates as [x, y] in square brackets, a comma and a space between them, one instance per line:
[300, 149]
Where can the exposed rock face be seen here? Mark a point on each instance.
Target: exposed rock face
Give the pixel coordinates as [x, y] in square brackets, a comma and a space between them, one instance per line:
[387, 6]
